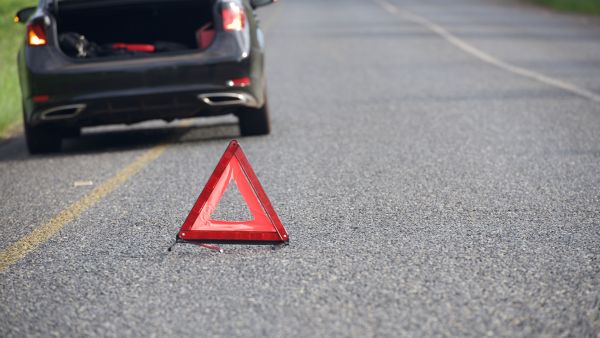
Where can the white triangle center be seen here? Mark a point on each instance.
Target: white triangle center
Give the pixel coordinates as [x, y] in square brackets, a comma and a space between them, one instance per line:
[232, 206]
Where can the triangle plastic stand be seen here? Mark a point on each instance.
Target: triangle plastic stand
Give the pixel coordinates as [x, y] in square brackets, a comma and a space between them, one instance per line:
[264, 228]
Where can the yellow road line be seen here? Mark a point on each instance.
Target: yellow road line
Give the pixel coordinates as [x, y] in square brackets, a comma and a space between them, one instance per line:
[41, 234]
[485, 57]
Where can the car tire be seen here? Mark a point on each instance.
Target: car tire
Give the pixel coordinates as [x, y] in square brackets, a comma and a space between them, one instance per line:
[42, 140]
[255, 121]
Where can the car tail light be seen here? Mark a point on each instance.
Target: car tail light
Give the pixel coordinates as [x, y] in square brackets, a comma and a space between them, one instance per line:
[239, 82]
[40, 98]
[234, 18]
[36, 34]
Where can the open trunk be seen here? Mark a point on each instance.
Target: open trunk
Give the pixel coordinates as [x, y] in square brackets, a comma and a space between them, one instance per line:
[100, 28]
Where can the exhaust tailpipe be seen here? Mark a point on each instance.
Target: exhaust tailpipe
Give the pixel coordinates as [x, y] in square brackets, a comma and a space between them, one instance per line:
[62, 112]
[227, 99]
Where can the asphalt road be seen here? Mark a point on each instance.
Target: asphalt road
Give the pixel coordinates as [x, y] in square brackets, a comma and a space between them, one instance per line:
[430, 187]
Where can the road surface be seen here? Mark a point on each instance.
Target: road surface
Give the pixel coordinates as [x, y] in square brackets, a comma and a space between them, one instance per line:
[436, 165]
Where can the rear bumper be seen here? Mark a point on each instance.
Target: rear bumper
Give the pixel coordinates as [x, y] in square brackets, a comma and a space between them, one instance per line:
[142, 106]
[133, 90]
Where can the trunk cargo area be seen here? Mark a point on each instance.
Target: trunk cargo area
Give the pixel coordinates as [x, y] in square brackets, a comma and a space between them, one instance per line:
[93, 29]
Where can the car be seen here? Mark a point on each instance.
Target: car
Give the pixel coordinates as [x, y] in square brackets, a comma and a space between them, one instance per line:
[95, 62]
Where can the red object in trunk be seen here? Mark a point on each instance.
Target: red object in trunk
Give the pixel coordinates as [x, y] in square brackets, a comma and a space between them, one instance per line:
[205, 36]
[265, 227]
[135, 47]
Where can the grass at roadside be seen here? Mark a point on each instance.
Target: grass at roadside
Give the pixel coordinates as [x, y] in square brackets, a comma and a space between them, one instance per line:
[579, 6]
[11, 35]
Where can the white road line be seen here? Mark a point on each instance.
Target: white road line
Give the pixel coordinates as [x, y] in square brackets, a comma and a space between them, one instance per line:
[485, 57]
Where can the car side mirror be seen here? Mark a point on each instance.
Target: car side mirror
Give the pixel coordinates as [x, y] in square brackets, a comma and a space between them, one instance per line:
[24, 14]
[260, 3]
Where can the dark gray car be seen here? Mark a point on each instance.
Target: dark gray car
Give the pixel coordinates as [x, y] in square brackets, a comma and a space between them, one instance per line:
[93, 62]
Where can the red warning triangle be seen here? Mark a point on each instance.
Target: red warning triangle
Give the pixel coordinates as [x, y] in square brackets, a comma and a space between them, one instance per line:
[265, 227]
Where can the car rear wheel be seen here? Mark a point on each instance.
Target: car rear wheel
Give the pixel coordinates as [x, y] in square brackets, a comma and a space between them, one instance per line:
[255, 121]
[41, 140]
